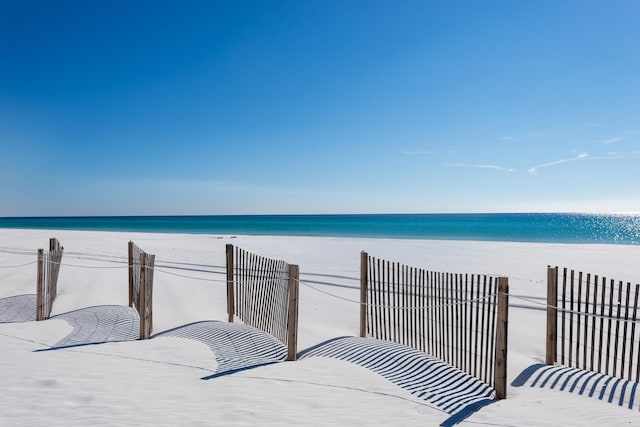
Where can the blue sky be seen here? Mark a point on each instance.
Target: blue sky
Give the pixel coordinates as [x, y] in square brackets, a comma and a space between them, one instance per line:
[205, 107]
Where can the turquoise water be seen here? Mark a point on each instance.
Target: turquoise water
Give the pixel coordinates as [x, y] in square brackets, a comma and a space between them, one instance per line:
[550, 228]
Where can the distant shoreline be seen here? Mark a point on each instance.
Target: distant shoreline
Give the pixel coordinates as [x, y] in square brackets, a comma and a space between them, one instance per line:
[515, 227]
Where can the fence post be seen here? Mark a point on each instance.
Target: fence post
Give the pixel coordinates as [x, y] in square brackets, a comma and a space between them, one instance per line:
[501, 338]
[230, 291]
[130, 250]
[142, 297]
[40, 288]
[151, 263]
[552, 317]
[292, 323]
[364, 282]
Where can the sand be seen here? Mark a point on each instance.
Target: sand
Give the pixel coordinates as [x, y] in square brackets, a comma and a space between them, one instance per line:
[160, 381]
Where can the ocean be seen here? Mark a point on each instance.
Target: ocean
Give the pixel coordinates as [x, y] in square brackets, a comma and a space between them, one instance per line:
[519, 227]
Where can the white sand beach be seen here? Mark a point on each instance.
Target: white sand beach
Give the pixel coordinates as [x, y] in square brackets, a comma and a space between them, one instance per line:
[160, 381]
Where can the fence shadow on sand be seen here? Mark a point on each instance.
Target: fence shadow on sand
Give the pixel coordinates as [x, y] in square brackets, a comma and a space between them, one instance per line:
[17, 309]
[595, 385]
[236, 347]
[451, 390]
[99, 325]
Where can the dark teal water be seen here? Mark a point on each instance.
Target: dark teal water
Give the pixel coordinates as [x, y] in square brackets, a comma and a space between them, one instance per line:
[534, 227]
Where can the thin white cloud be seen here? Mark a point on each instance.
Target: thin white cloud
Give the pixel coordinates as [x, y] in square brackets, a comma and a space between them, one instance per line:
[494, 167]
[613, 140]
[534, 170]
[507, 138]
[592, 124]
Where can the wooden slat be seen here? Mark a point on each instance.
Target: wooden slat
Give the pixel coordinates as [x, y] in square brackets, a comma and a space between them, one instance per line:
[230, 286]
[593, 322]
[552, 317]
[500, 381]
[624, 334]
[571, 314]
[292, 324]
[364, 282]
[633, 333]
[586, 322]
[40, 287]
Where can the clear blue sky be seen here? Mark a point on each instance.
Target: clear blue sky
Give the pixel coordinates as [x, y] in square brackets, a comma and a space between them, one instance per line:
[206, 107]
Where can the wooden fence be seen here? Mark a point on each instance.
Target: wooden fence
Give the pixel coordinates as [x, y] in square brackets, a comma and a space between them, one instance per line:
[459, 318]
[263, 293]
[141, 266]
[47, 278]
[591, 323]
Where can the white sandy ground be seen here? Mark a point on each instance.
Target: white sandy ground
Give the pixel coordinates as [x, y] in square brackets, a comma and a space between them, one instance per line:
[158, 382]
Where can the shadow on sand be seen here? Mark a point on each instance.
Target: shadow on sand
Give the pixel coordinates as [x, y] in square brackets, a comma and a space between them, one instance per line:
[453, 391]
[236, 347]
[17, 309]
[98, 325]
[585, 383]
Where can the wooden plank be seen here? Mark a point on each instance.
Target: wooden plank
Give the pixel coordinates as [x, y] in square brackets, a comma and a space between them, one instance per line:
[40, 286]
[458, 327]
[586, 322]
[230, 285]
[483, 328]
[632, 340]
[493, 304]
[130, 258]
[417, 313]
[422, 331]
[151, 261]
[440, 286]
[633, 329]
[624, 333]
[364, 282]
[292, 339]
[380, 267]
[602, 305]
[571, 300]
[594, 313]
[142, 293]
[502, 327]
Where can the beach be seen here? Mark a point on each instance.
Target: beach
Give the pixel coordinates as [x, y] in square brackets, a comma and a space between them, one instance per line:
[159, 381]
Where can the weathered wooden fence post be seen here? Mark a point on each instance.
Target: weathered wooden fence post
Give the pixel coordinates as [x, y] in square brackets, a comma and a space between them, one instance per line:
[145, 310]
[230, 291]
[130, 250]
[502, 329]
[292, 323]
[552, 318]
[142, 295]
[40, 287]
[150, 264]
[364, 282]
